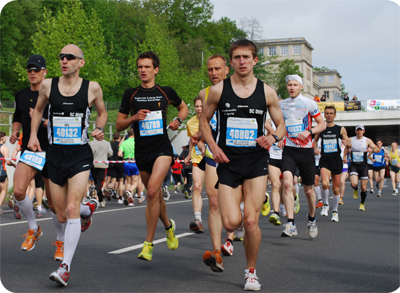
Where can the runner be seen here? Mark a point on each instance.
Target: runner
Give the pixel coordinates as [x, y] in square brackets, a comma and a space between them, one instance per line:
[345, 172]
[148, 105]
[69, 157]
[370, 170]
[359, 167]
[379, 162]
[394, 167]
[116, 170]
[242, 102]
[331, 163]
[317, 188]
[198, 168]
[3, 172]
[298, 152]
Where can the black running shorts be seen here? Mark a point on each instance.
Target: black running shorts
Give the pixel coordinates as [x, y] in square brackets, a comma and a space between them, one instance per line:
[242, 167]
[145, 161]
[64, 162]
[360, 170]
[333, 164]
[116, 170]
[302, 158]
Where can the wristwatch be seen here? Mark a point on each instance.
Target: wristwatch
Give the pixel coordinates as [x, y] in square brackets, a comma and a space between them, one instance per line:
[276, 137]
[179, 119]
[102, 130]
[310, 130]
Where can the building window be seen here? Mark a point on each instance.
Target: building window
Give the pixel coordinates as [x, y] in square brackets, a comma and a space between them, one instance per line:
[297, 50]
[272, 51]
[321, 78]
[308, 89]
[284, 50]
[261, 51]
[308, 74]
[331, 78]
[326, 93]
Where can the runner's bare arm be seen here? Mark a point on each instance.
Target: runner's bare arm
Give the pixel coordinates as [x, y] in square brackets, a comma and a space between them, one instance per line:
[123, 122]
[182, 114]
[208, 111]
[371, 144]
[96, 97]
[345, 138]
[316, 150]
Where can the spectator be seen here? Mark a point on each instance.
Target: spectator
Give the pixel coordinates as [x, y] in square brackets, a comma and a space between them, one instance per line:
[177, 173]
[346, 97]
[323, 98]
[354, 98]
[317, 99]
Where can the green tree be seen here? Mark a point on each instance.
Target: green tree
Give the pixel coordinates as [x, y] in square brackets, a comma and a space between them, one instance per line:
[287, 67]
[343, 90]
[323, 68]
[72, 26]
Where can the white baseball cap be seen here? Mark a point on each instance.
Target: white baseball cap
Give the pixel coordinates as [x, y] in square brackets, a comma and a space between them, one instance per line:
[360, 126]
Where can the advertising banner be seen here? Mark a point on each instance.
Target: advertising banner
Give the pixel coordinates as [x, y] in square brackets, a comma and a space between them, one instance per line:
[338, 105]
[383, 105]
[352, 105]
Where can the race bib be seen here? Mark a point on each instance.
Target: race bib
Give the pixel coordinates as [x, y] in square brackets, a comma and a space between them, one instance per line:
[394, 162]
[330, 146]
[294, 127]
[152, 124]
[67, 130]
[358, 157]
[241, 132]
[275, 147]
[378, 158]
[198, 152]
[35, 160]
[213, 122]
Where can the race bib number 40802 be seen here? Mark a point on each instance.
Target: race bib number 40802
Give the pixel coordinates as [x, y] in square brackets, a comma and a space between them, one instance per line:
[152, 124]
[241, 132]
[67, 130]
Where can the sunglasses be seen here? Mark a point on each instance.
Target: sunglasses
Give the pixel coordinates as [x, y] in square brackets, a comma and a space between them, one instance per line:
[69, 56]
[34, 69]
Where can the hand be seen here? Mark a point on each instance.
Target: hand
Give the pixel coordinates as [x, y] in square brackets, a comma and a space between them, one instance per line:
[174, 124]
[141, 115]
[345, 160]
[34, 144]
[317, 151]
[195, 139]
[303, 135]
[219, 156]
[14, 137]
[265, 141]
[280, 144]
[344, 141]
[31, 112]
[187, 160]
[98, 134]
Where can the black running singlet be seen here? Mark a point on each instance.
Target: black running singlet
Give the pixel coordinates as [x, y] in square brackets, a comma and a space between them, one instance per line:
[330, 145]
[241, 121]
[68, 116]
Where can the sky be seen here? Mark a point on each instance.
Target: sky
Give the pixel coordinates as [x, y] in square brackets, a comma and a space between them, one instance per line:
[360, 39]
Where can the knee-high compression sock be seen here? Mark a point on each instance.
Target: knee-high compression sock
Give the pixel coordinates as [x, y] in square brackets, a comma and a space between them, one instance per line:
[336, 199]
[363, 196]
[26, 208]
[72, 235]
[60, 227]
[317, 191]
[325, 196]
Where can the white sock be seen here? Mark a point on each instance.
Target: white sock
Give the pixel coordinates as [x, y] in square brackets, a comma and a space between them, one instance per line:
[26, 208]
[85, 211]
[60, 227]
[336, 199]
[297, 188]
[72, 235]
[197, 216]
[325, 196]
[317, 191]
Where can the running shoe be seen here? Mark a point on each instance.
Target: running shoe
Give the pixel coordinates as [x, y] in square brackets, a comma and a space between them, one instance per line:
[227, 248]
[172, 241]
[355, 194]
[266, 206]
[103, 204]
[121, 201]
[251, 282]
[312, 229]
[236, 238]
[108, 193]
[379, 193]
[17, 215]
[296, 204]
[187, 195]
[1, 211]
[176, 189]
[131, 201]
[274, 219]
[41, 211]
[61, 276]
[141, 199]
[45, 204]
[115, 195]
[127, 194]
[239, 232]
[86, 222]
[196, 226]
[30, 239]
[362, 207]
[319, 204]
[335, 217]
[11, 201]
[59, 254]
[290, 230]
[167, 195]
[371, 190]
[214, 260]
[395, 192]
[377, 186]
[283, 210]
[147, 251]
[341, 201]
[325, 210]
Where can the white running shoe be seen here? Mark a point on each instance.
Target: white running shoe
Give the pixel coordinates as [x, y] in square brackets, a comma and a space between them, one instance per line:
[251, 282]
[325, 210]
[227, 248]
[312, 229]
[335, 217]
[141, 199]
[290, 230]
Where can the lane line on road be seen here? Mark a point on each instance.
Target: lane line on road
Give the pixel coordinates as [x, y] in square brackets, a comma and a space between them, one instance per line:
[130, 248]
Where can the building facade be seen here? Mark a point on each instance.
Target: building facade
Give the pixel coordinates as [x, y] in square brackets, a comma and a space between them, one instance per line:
[298, 49]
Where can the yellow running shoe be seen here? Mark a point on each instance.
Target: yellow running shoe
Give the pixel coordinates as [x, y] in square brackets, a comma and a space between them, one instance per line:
[362, 207]
[274, 219]
[172, 241]
[266, 206]
[296, 204]
[147, 251]
[355, 194]
[341, 201]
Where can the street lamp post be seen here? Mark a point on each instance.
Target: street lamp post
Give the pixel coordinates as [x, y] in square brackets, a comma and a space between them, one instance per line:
[202, 59]
[262, 64]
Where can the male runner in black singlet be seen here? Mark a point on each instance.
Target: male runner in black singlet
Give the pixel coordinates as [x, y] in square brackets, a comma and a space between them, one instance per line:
[69, 156]
[147, 105]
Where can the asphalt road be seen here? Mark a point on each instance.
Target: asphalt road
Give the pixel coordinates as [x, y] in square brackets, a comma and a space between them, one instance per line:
[360, 253]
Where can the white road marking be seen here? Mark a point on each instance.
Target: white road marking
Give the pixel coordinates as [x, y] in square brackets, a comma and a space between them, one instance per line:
[130, 248]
